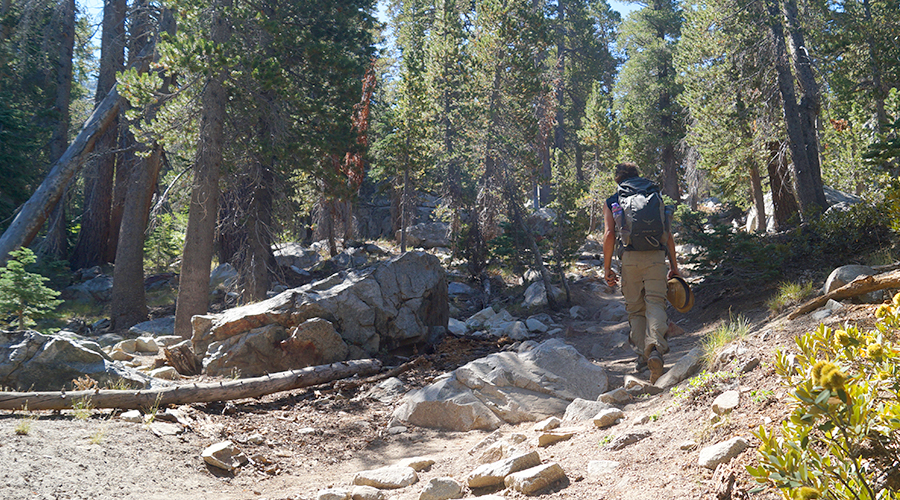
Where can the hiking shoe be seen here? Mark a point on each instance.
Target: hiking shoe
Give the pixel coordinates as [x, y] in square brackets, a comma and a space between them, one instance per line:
[640, 364]
[655, 362]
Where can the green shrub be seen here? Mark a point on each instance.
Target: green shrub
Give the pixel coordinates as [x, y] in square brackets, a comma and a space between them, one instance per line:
[788, 294]
[23, 295]
[841, 439]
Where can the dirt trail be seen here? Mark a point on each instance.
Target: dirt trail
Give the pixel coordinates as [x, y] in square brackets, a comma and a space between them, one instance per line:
[314, 439]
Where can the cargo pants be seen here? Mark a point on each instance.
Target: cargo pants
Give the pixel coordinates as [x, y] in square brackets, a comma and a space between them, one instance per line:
[644, 287]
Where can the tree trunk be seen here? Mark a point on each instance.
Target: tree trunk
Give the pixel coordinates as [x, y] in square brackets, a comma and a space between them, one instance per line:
[256, 256]
[129, 305]
[193, 288]
[35, 211]
[879, 91]
[758, 198]
[783, 200]
[810, 100]
[193, 393]
[404, 210]
[539, 266]
[794, 122]
[93, 238]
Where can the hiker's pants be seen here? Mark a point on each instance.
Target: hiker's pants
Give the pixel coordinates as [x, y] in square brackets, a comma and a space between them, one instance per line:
[644, 287]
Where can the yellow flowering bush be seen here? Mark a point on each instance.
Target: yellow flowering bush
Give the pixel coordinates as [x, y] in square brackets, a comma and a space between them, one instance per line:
[841, 439]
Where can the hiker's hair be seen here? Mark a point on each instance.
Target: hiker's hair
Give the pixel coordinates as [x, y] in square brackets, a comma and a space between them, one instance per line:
[626, 170]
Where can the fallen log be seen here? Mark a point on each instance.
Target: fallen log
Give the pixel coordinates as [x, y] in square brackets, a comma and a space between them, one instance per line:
[856, 287]
[190, 393]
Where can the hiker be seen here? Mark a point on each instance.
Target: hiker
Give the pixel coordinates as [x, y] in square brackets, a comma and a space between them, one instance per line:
[644, 243]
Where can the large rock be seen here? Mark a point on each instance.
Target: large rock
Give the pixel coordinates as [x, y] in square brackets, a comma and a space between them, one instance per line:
[682, 369]
[293, 254]
[98, 289]
[156, 328]
[398, 302]
[271, 349]
[845, 274]
[536, 295]
[30, 361]
[506, 387]
[427, 235]
[711, 456]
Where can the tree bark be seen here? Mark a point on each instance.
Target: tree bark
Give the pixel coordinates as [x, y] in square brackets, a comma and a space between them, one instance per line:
[794, 122]
[193, 289]
[35, 211]
[129, 305]
[194, 393]
[855, 288]
[783, 200]
[93, 238]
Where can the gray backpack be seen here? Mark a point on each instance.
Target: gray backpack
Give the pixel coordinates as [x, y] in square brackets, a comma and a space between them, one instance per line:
[643, 223]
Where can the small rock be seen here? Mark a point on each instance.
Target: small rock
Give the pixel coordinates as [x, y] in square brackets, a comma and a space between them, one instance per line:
[256, 439]
[601, 467]
[221, 455]
[726, 402]
[674, 330]
[366, 493]
[146, 344]
[387, 477]
[494, 473]
[333, 494]
[120, 355]
[578, 312]
[608, 417]
[615, 396]
[683, 368]
[548, 424]
[749, 365]
[582, 409]
[537, 478]
[637, 386]
[626, 440]
[712, 456]
[397, 429]
[133, 416]
[127, 345]
[535, 325]
[442, 488]
[821, 314]
[687, 445]
[165, 373]
[457, 327]
[168, 429]
[418, 464]
[548, 438]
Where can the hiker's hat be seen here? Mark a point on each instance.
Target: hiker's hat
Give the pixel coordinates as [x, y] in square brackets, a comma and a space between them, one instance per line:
[679, 294]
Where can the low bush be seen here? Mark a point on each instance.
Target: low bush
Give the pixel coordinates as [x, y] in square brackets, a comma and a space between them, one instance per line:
[841, 439]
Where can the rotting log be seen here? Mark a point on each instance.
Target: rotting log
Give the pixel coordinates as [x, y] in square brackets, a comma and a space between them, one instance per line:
[191, 393]
[855, 288]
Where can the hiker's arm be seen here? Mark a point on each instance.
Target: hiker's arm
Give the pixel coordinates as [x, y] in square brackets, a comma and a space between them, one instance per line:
[673, 259]
[609, 246]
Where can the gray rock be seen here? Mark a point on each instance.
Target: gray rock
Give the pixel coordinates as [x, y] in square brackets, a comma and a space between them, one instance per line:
[224, 275]
[427, 235]
[133, 416]
[520, 387]
[478, 319]
[608, 417]
[846, 274]
[455, 288]
[155, 328]
[387, 478]
[535, 479]
[712, 456]
[550, 437]
[626, 440]
[536, 295]
[398, 302]
[366, 493]
[581, 409]
[442, 488]
[548, 424]
[616, 396]
[493, 474]
[333, 494]
[542, 220]
[98, 289]
[726, 402]
[613, 312]
[293, 254]
[387, 391]
[457, 327]
[223, 455]
[30, 361]
[578, 312]
[682, 369]
[417, 464]
[535, 325]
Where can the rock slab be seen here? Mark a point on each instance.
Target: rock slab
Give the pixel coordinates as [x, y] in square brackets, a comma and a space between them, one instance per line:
[387, 478]
[710, 457]
[532, 480]
[494, 473]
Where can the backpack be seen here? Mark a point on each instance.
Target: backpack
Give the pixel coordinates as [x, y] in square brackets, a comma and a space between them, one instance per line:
[643, 223]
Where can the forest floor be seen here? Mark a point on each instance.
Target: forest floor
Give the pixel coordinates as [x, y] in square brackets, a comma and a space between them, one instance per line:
[317, 438]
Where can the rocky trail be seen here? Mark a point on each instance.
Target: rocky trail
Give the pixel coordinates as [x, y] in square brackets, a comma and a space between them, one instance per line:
[690, 440]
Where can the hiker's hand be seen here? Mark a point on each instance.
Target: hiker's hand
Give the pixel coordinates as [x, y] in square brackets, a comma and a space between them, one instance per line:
[611, 278]
[673, 273]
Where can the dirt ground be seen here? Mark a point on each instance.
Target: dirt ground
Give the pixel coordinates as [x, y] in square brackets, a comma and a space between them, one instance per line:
[302, 441]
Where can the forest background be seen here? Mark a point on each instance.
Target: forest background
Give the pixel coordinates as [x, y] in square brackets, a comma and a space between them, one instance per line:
[220, 128]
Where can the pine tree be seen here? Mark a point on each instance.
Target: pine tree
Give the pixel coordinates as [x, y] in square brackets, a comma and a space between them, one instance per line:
[23, 295]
